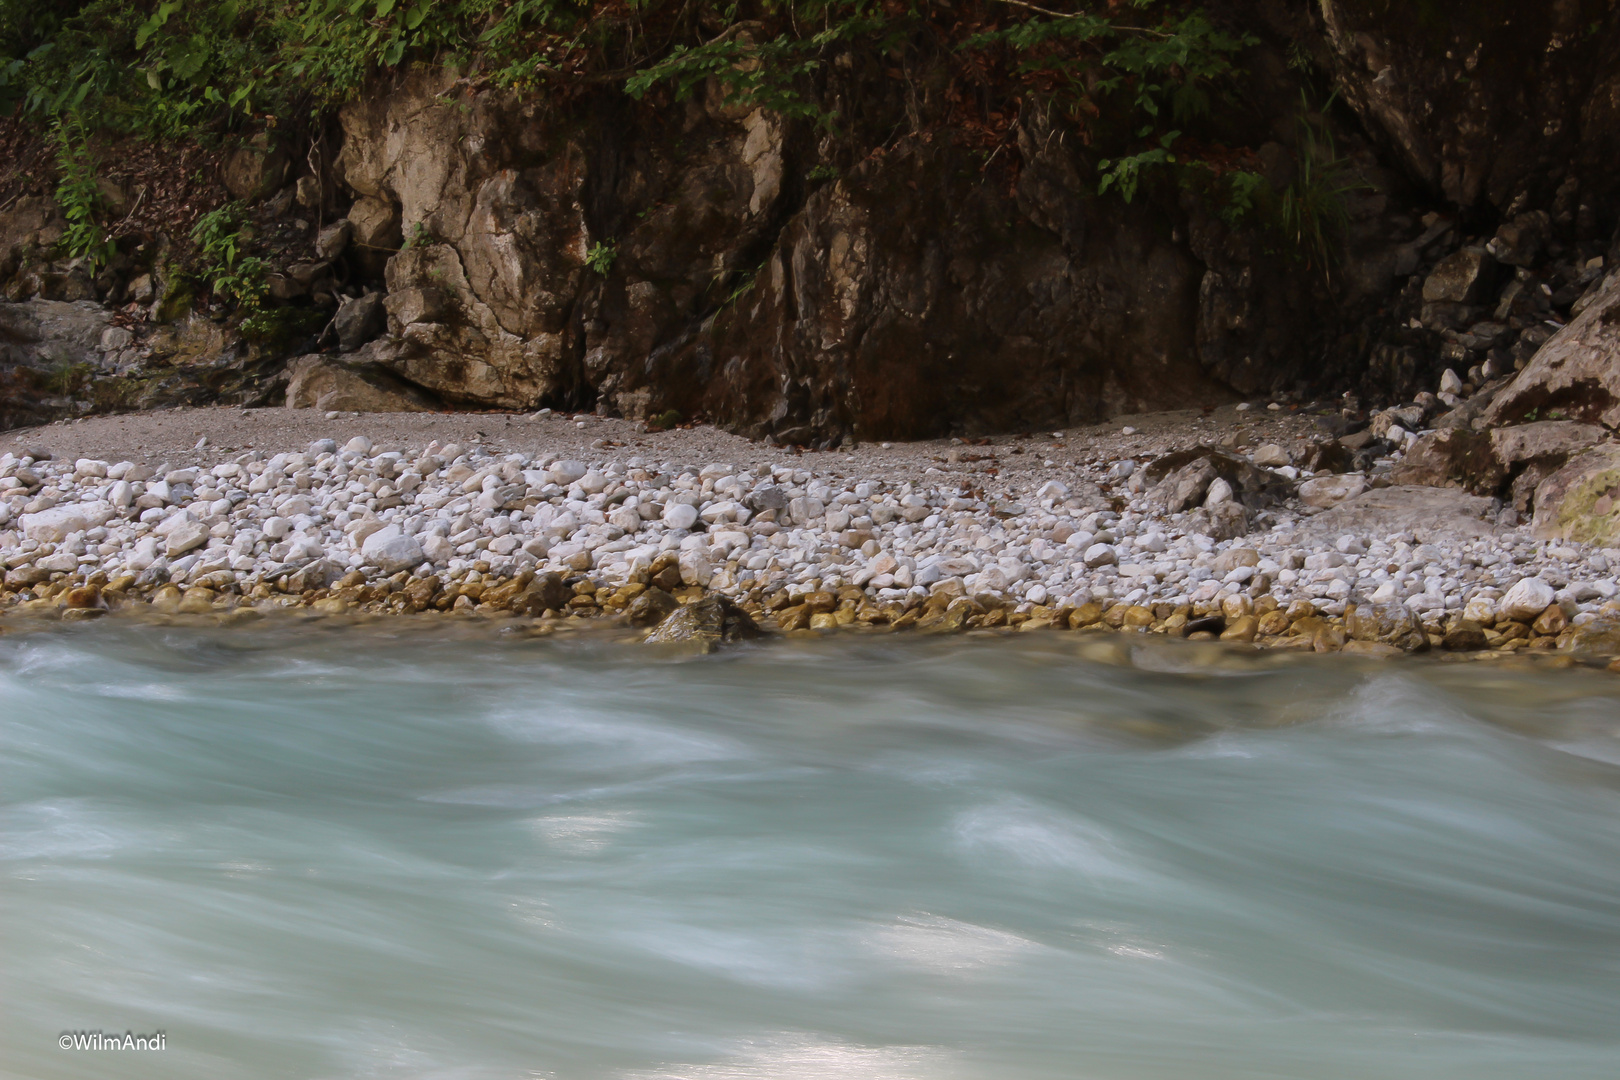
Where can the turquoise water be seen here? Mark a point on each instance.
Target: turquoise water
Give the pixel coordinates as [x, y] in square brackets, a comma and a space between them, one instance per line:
[309, 854]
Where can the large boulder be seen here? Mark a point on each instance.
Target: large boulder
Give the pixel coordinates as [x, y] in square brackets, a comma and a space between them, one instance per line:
[1526, 599]
[1480, 462]
[1326, 492]
[1463, 277]
[255, 169]
[1581, 501]
[1181, 480]
[1543, 440]
[359, 320]
[1387, 624]
[1575, 375]
[1535, 451]
[1432, 515]
[321, 382]
[1452, 457]
[706, 623]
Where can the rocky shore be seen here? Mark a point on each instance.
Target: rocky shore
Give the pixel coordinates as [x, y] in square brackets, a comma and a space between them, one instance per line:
[1245, 525]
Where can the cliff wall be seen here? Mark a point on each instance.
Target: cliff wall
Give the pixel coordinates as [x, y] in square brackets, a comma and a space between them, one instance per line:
[904, 274]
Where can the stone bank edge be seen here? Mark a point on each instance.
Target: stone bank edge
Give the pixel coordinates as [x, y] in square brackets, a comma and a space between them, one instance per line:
[339, 530]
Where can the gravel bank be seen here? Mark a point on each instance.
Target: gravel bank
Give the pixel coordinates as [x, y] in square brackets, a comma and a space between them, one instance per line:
[216, 509]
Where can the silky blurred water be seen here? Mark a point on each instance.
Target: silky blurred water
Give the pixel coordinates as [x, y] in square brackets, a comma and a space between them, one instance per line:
[313, 854]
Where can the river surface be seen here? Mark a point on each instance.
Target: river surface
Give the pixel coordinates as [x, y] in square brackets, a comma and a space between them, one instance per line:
[301, 853]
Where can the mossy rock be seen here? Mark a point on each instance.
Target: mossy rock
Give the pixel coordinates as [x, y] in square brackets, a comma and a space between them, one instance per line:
[1581, 501]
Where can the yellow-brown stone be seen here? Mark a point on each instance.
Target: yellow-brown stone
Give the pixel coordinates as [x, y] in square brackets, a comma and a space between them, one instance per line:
[197, 600]
[1242, 628]
[1551, 622]
[1329, 638]
[82, 598]
[1137, 617]
[1274, 623]
[1086, 614]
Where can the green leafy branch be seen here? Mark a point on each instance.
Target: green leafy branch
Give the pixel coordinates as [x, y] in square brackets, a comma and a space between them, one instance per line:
[221, 237]
[757, 75]
[78, 194]
[1125, 173]
[601, 257]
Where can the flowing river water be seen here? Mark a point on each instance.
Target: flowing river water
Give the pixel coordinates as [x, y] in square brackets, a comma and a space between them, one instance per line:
[302, 853]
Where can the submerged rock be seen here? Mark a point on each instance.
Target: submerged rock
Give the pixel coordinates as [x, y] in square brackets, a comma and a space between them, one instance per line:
[652, 607]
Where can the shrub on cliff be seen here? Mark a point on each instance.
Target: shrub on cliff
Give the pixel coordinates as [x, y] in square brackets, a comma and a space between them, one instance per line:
[1126, 74]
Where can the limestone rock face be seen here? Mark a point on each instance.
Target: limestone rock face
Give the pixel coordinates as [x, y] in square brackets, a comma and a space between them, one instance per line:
[37, 338]
[900, 279]
[47, 333]
[1448, 87]
[877, 317]
[30, 223]
[1576, 373]
[652, 270]
[1544, 439]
